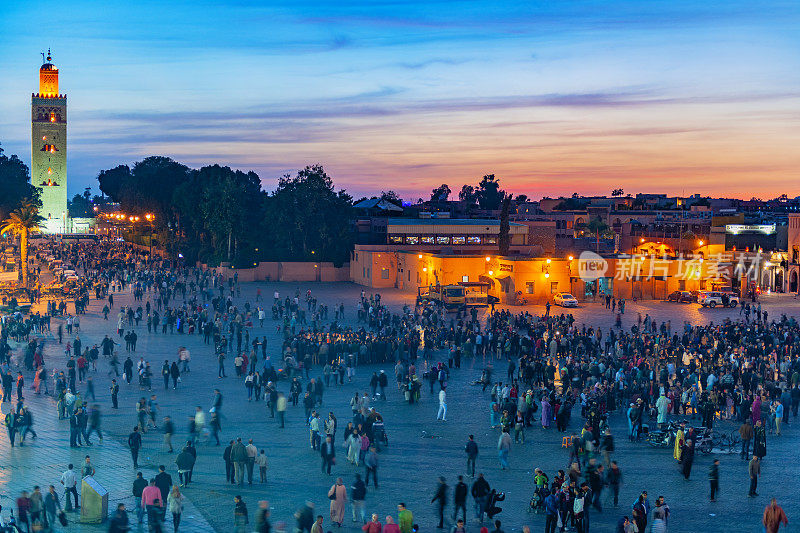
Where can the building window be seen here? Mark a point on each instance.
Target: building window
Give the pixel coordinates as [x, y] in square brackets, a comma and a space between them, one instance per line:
[384, 273]
[395, 239]
[356, 256]
[491, 240]
[473, 240]
[465, 279]
[442, 240]
[529, 287]
[459, 240]
[412, 239]
[553, 287]
[409, 276]
[427, 239]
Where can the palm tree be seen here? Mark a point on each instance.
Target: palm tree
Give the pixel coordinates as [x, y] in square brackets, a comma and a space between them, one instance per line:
[598, 228]
[22, 221]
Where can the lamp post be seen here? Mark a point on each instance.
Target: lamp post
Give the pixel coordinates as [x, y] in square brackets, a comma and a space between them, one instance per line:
[150, 217]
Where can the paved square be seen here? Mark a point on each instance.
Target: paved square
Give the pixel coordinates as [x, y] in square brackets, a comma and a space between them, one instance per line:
[420, 450]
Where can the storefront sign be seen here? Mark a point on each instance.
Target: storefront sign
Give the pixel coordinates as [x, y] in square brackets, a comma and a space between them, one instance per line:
[506, 267]
[736, 229]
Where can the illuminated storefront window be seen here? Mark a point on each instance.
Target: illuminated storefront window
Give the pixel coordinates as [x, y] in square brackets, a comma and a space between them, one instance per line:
[459, 240]
[412, 239]
[473, 240]
[395, 239]
[427, 239]
[442, 240]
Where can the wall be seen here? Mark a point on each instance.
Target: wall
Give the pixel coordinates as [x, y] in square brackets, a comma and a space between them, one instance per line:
[376, 269]
[288, 271]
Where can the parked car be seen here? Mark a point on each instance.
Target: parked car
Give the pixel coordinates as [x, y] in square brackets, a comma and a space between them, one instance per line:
[715, 298]
[680, 296]
[565, 299]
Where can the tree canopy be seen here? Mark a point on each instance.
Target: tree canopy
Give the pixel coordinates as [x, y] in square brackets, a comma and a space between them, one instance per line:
[14, 186]
[309, 219]
[216, 214]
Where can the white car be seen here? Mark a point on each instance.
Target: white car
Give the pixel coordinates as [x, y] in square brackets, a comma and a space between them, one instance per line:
[713, 299]
[565, 299]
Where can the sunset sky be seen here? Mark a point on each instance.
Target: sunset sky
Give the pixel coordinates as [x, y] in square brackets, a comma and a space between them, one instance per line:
[553, 97]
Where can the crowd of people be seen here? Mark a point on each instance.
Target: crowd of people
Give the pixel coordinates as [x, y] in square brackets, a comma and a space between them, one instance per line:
[555, 372]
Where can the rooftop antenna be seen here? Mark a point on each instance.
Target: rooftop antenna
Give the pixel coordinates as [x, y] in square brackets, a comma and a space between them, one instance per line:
[42, 56]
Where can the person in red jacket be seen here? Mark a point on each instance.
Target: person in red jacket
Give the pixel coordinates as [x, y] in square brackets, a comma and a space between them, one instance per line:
[390, 526]
[373, 526]
[773, 517]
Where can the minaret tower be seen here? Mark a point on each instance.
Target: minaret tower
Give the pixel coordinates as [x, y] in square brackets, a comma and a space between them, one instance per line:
[49, 148]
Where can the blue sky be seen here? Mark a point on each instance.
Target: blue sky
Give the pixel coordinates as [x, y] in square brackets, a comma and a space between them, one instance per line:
[553, 97]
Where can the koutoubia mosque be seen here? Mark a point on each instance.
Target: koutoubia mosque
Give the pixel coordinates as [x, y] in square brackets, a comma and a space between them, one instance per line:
[49, 148]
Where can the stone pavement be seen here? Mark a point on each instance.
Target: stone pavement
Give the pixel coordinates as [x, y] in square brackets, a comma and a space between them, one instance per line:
[420, 448]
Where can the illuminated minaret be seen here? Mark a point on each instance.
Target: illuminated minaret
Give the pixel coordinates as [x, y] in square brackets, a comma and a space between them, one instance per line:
[49, 148]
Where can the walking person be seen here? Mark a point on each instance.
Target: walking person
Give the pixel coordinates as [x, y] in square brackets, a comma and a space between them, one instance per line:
[261, 463]
[240, 460]
[185, 462]
[52, 506]
[175, 506]
[460, 499]
[371, 466]
[240, 516]
[713, 479]
[139, 484]
[503, 448]
[442, 414]
[328, 452]
[153, 505]
[471, 450]
[134, 443]
[773, 517]
[338, 497]
[440, 498]
[358, 492]
[480, 493]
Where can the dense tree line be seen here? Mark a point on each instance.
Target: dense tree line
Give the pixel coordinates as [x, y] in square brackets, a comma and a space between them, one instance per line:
[216, 214]
[14, 184]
